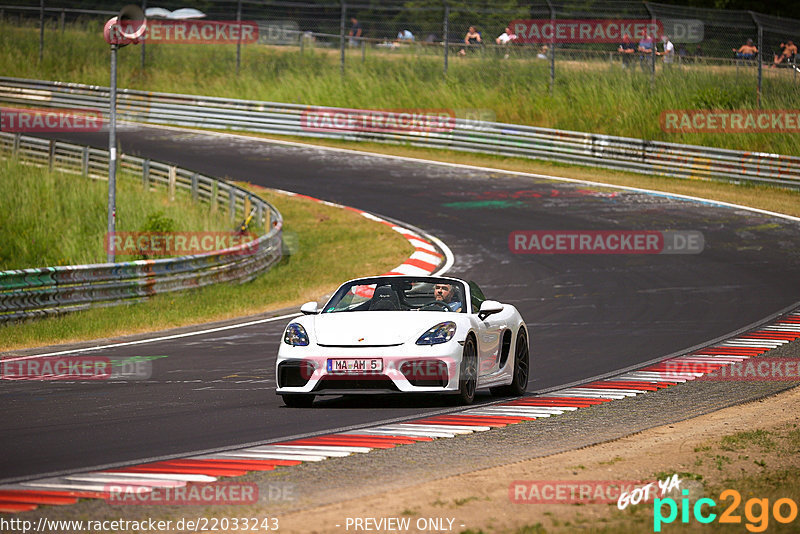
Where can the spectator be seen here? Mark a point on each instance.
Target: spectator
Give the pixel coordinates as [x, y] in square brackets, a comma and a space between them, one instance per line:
[627, 50]
[789, 50]
[431, 38]
[355, 31]
[746, 51]
[543, 52]
[645, 49]
[505, 38]
[404, 36]
[471, 39]
[668, 55]
[682, 52]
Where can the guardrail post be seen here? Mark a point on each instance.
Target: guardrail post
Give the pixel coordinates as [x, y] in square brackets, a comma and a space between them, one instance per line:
[247, 206]
[15, 150]
[146, 174]
[214, 193]
[63, 19]
[195, 191]
[172, 173]
[232, 204]
[260, 212]
[51, 156]
[85, 162]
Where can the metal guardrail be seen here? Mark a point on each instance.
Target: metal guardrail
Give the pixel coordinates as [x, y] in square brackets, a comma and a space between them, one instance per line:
[44, 291]
[613, 152]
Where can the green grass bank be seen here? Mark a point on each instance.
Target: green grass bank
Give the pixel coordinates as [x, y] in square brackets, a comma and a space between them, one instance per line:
[590, 96]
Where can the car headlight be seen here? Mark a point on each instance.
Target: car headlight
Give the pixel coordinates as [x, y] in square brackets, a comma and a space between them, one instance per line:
[295, 335]
[441, 333]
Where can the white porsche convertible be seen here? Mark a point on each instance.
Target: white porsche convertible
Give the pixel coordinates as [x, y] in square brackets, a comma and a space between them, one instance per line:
[403, 334]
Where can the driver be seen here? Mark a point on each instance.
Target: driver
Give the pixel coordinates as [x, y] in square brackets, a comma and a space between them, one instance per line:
[445, 293]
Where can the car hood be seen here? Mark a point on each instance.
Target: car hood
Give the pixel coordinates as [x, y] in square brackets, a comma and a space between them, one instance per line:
[371, 328]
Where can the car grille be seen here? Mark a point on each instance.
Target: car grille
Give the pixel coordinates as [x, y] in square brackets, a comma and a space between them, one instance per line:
[367, 382]
[294, 374]
[425, 373]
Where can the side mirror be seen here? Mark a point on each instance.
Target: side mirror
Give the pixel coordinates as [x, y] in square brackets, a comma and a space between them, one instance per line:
[489, 307]
[309, 308]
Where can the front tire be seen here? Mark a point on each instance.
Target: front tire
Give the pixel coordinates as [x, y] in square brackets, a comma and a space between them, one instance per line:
[468, 375]
[519, 382]
[298, 401]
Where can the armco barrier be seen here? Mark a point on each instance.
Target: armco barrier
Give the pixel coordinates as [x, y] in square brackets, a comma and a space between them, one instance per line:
[620, 153]
[43, 291]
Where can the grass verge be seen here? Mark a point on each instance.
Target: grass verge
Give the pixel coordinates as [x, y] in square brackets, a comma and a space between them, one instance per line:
[760, 466]
[590, 96]
[56, 218]
[332, 245]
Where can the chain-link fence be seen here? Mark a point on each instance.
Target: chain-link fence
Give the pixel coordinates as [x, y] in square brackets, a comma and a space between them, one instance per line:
[643, 36]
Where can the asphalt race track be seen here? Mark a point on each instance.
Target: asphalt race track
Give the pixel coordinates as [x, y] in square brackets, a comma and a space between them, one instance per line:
[588, 314]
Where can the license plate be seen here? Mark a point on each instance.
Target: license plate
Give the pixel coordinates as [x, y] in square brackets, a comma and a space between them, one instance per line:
[355, 365]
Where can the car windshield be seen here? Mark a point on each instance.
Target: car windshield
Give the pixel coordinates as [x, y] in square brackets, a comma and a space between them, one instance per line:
[399, 294]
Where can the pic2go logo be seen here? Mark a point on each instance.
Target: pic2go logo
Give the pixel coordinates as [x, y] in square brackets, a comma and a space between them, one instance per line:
[756, 511]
